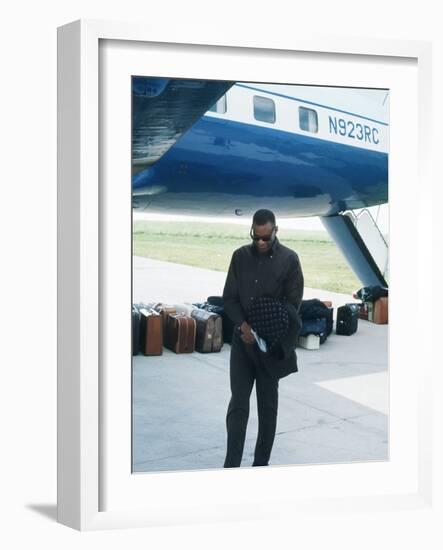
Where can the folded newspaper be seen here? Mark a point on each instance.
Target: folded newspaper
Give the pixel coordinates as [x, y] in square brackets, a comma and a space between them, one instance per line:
[261, 343]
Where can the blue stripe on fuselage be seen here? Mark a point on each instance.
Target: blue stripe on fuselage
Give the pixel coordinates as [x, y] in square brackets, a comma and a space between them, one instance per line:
[231, 158]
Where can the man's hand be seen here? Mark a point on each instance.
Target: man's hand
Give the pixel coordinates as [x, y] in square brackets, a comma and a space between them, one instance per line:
[246, 334]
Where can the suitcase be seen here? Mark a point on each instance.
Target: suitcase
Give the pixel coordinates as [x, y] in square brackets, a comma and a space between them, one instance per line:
[363, 311]
[209, 332]
[165, 310]
[380, 313]
[347, 319]
[216, 302]
[135, 331]
[180, 333]
[329, 320]
[151, 330]
[370, 311]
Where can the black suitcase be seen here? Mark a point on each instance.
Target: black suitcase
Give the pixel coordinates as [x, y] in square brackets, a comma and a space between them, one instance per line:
[347, 319]
[329, 320]
[135, 331]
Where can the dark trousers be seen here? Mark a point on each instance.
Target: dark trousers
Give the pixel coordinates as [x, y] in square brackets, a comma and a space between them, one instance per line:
[245, 368]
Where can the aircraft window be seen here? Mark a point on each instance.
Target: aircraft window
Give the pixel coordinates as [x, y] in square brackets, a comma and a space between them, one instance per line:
[308, 119]
[219, 106]
[264, 109]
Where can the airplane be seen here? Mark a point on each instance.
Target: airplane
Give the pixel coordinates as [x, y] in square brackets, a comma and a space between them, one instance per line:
[226, 148]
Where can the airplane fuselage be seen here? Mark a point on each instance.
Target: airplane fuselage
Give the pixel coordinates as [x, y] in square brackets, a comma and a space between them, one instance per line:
[310, 160]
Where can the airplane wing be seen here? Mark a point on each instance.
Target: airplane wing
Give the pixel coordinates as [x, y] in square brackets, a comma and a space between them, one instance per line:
[163, 110]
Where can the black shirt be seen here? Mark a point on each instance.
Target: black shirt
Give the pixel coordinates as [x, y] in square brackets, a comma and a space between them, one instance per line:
[277, 274]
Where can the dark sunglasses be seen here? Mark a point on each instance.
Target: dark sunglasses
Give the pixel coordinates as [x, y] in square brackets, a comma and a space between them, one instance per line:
[264, 239]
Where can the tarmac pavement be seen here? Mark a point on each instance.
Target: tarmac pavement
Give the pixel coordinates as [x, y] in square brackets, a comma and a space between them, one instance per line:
[335, 409]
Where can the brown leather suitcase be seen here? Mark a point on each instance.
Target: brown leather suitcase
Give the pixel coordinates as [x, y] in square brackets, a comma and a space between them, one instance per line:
[180, 333]
[165, 310]
[380, 314]
[151, 332]
[209, 335]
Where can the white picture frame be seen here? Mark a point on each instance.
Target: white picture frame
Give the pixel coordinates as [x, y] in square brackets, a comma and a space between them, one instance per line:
[95, 487]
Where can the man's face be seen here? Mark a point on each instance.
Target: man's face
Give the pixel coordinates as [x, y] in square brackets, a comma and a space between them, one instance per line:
[266, 232]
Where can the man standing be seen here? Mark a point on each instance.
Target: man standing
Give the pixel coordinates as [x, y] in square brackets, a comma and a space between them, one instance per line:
[265, 269]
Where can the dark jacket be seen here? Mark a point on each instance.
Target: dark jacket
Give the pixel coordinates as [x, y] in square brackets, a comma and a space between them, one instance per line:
[277, 274]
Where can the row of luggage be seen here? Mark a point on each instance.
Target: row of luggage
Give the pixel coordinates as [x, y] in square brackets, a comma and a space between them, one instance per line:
[204, 327]
[317, 316]
[181, 329]
[317, 322]
[374, 306]
[376, 312]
